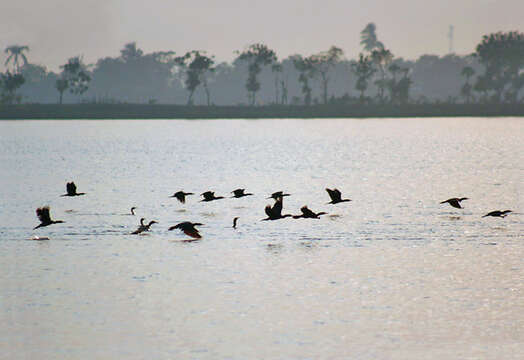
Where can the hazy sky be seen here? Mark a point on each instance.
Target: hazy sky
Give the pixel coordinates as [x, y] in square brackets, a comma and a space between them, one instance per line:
[58, 29]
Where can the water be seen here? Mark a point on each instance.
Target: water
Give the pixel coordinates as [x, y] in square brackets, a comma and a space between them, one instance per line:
[391, 275]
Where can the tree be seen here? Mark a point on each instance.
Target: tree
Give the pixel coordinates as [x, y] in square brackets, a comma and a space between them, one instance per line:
[468, 72]
[306, 71]
[364, 70]
[9, 83]
[131, 52]
[256, 56]
[61, 85]
[322, 63]
[76, 75]
[277, 70]
[196, 65]
[502, 55]
[369, 39]
[15, 54]
[381, 58]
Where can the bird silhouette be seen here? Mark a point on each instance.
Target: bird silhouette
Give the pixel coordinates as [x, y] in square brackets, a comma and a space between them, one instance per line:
[336, 196]
[498, 213]
[275, 212]
[45, 217]
[71, 190]
[188, 228]
[181, 196]
[238, 193]
[133, 210]
[277, 194]
[308, 214]
[143, 227]
[210, 196]
[235, 222]
[455, 202]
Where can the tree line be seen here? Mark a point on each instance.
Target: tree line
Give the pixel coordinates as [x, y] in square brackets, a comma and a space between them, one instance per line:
[494, 73]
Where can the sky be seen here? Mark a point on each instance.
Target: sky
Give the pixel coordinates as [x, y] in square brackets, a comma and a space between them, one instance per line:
[56, 30]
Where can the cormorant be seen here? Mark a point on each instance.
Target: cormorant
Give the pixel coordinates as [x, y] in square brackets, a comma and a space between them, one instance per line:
[278, 194]
[188, 228]
[71, 190]
[275, 212]
[45, 217]
[238, 193]
[235, 222]
[336, 196]
[181, 196]
[210, 196]
[143, 227]
[455, 202]
[498, 213]
[308, 214]
[133, 210]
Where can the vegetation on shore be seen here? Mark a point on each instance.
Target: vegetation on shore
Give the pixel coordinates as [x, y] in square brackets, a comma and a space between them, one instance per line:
[492, 75]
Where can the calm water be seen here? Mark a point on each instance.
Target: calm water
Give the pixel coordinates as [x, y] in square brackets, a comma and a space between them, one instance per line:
[391, 275]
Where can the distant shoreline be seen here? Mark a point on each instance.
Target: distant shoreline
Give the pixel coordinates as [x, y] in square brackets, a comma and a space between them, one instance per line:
[158, 111]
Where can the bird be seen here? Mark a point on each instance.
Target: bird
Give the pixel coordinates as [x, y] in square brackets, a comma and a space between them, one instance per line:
[455, 202]
[71, 190]
[45, 217]
[275, 212]
[188, 228]
[308, 214]
[133, 210]
[498, 213]
[235, 222]
[210, 196]
[181, 196]
[238, 193]
[143, 227]
[277, 194]
[336, 196]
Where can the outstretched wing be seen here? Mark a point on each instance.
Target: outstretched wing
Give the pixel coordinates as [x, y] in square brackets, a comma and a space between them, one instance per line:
[180, 197]
[307, 213]
[71, 188]
[268, 211]
[193, 233]
[277, 208]
[43, 214]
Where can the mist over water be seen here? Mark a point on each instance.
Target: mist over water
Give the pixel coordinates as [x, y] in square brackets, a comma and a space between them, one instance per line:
[392, 274]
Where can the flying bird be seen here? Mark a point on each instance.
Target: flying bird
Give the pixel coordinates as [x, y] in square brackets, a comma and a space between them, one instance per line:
[210, 196]
[455, 202]
[188, 228]
[336, 196]
[235, 222]
[143, 227]
[181, 196]
[498, 213]
[45, 217]
[308, 214]
[277, 194]
[71, 190]
[238, 193]
[275, 212]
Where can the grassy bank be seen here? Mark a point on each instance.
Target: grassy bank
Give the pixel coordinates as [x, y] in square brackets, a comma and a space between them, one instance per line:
[144, 111]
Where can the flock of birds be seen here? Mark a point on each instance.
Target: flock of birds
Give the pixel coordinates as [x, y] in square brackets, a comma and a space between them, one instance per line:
[273, 212]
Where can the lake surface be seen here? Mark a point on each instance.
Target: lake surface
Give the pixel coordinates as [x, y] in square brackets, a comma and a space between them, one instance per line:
[393, 274]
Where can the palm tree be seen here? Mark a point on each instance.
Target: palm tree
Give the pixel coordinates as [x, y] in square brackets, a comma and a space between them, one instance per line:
[16, 52]
[468, 72]
[369, 38]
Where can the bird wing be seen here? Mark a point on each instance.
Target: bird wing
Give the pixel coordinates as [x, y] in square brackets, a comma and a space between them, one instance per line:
[331, 193]
[180, 197]
[193, 233]
[277, 208]
[268, 211]
[43, 214]
[307, 213]
[71, 188]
